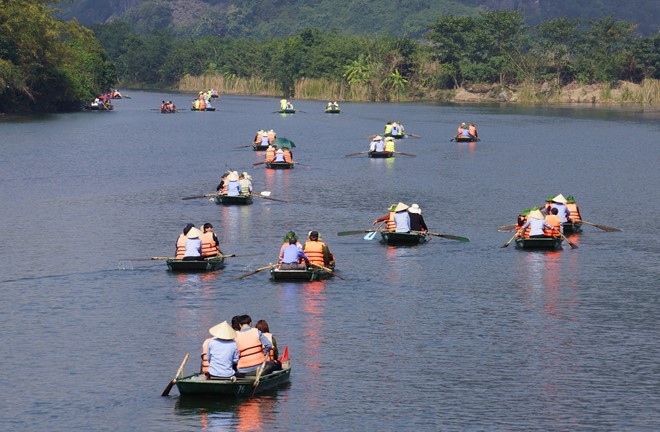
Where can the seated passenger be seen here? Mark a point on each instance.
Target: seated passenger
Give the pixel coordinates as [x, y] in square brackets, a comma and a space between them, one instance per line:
[246, 184]
[279, 156]
[273, 363]
[221, 352]
[292, 257]
[317, 251]
[401, 218]
[210, 243]
[536, 223]
[193, 245]
[233, 185]
[253, 347]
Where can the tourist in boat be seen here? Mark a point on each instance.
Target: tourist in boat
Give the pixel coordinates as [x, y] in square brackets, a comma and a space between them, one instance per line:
[416, 219]
[210, 242]
[389, 217]
[288, 155]
[257, 137]
[545, 209]
[235, 322]
[461, 128]
[253, 347]
[233, 185]
[292, 256]
[265, 139]
[473, 130]
[329, 106]
[335, 105]
[279, 156]
[390, 146]
[245, 180]
[396, 130]
[222, 352]
[262, 326]
[283, 104]
[271, 136]
[465, 133]
[193, 245]
[270, 154]
[559, 202]
[289, 106]
[573, 209]
[552, 219]
[180, 250]
[536, 222]
[317, 251]
[223, 180]
[401, 218]
[388, 128]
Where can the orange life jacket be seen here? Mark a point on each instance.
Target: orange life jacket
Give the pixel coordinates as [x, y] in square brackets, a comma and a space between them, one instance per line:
[575, 212]
[460, 130]
[250, 351]
[205, 355]
[209, 248]
[271, 354]
[271, 137]
[473, 131]
[314, 251]
[270, 154]
[391, 225]
[556, 224]
[527, 231]
[180, 247]
[287, 156]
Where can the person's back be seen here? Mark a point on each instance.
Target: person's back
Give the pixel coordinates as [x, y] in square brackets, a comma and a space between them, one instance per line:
[316, 250]
[417, 222]
[389, 144]
[279, 156]
[181, 242]
[473, 130]
[401, 218]
[246, 184]
[380, 146]
[252, 346]
[221, 352]
[553, 220]
[233, 188]
[270, 154]
[210, 244]
[536, 222]
[193, 245]
[264, 140]
[465, 133]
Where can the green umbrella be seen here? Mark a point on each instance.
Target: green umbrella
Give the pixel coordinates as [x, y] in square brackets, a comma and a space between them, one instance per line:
[283, 143]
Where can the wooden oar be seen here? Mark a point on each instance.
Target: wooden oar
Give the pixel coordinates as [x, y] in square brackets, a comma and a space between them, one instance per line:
[447, 236]
[329, 270]
[179, 371]
[405, 154]
[269, 198]
[254, 272]
[510, 240]
[199, 196]
[570, 243]
[507, 228]
[258, 163]
[413, 135]
[603, 227]
[355, 154]
[345, 233]
[258, 375]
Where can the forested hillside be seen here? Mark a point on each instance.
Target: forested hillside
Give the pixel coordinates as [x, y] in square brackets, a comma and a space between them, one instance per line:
[240, 18]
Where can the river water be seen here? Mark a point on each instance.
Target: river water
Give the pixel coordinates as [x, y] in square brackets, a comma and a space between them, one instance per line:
[442, 336]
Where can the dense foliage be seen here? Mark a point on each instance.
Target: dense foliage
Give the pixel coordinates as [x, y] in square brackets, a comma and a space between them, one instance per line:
[492, 47]
[46, 64]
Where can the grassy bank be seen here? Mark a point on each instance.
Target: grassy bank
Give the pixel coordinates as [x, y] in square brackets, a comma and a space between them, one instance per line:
[647, 93]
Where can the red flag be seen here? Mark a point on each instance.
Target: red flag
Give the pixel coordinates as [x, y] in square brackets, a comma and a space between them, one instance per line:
[285, 355]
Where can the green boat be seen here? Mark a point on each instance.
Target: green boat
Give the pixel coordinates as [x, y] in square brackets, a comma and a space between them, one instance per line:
[203, 109]
[465, 139]
[279, 165]
[403, 238]
[539, 243]
[199, 385]
[332, 111]
[381, 155]
[287, 111]
[259, 147]
[310, 274]
[572, 227]
[205, 265]
[233, 200]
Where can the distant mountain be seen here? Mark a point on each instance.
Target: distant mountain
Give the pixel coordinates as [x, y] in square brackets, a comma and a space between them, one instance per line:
[284, 17]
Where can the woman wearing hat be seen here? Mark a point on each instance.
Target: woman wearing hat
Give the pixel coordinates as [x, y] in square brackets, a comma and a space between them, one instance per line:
[222, 352]
[246, 184]
[416, 219]
[279, 156]
[193, 245]
[401, 218]
[536, 222]
[559, 202]
[233, 185]
[181, 242]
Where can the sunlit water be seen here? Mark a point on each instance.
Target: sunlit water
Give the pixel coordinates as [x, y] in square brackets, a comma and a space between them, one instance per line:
[443, 336]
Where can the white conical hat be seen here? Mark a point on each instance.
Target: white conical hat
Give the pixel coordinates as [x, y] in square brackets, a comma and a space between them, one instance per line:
[400, 207]
[193, 233]
[559, 199]
[223, 331]
[536, 214]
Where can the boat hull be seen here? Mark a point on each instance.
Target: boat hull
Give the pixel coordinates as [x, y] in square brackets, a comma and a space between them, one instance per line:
[539, 243]
[99, 108]
[207, 265]
[198, 385]
[308, 275]
[279, 165]
[402, 238]
[332, 111]
[205, 109]
[289, 111]
[380, 155]
[233, 200]
[465, 139]
[259, 147]
[572, 227]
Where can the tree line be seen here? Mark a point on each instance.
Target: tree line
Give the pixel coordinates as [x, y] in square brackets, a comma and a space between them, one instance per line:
[47, 64]
[494, 47]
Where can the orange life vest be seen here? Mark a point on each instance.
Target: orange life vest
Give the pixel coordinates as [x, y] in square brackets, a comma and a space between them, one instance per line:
[250, 351]
[271, 137]
[209, 248]
[527, 231]
[473, 131]
[271, 354]
[391, 225]
[287, 156]
[205, 355]
[314, 251]
[556, 224]
[270, 154]
[575, 213]
[180, 247]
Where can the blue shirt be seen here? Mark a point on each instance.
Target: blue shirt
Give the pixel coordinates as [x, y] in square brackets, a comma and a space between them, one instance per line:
[233, 188]
[222, 354]
[292, 254]
[193, 247]
[562, 211]
[536, 226]
[402, 221]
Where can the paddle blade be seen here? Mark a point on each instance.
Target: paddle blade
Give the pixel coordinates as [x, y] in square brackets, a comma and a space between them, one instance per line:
[265, 193]
[603, 227]
[371, 235]
[506, 228]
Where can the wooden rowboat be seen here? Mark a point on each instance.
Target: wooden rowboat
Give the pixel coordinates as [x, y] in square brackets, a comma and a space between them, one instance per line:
[199, 385]
[381, 155]
[99, 107]
[397, 136]
[309, 274]
[465, 139]
[206, 265]
[332, 111]
[403, 238]
[539, 243]
[572, 227]
[202, 109]
[287, 111]
[233, 200]
[279, 165]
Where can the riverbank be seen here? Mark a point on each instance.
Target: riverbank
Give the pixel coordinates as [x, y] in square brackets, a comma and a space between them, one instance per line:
[646, 93]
